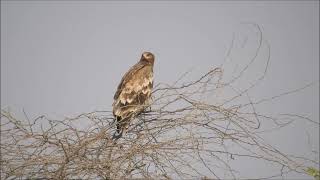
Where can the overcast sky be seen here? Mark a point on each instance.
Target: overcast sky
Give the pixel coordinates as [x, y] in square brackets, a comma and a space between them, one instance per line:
[64, 58]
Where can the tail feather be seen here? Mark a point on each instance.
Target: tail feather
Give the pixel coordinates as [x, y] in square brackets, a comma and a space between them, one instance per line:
[122, 123]
[119, 131]
[118, 128]
[118, 119]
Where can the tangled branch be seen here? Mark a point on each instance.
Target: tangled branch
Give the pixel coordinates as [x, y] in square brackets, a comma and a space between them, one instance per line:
[182, 135]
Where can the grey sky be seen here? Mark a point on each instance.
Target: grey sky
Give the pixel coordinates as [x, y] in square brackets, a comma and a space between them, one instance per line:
[64, 58]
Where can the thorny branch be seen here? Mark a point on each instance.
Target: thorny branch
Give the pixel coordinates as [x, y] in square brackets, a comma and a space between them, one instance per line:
[183, 135]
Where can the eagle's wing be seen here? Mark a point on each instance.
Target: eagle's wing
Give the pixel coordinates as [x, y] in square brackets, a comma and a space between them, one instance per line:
[134, 91]
[127, 76]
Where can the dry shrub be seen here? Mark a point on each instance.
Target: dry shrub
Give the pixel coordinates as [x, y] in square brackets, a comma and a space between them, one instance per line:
[184, 134]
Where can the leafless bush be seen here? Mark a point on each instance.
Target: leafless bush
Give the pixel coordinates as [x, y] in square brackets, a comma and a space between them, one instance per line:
[184, 134]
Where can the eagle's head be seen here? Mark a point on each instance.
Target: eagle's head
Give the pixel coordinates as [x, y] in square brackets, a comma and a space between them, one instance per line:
[147, 57]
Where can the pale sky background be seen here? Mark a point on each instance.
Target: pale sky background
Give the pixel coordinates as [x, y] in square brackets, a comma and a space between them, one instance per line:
[65, 58]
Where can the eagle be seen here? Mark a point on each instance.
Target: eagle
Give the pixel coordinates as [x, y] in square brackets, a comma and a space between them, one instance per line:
[133, 93]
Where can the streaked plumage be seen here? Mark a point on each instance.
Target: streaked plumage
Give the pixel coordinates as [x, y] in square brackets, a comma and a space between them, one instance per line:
[134, 92]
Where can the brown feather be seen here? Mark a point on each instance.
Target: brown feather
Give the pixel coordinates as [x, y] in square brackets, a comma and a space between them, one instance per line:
[133, 92]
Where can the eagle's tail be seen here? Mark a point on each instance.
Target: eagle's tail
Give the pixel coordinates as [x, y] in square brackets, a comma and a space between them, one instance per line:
[116, 136]
[119, 130]
[119, 124]
[122, 125]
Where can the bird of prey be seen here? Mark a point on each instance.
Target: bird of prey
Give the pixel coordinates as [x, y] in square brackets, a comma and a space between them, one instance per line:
[134, 92]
